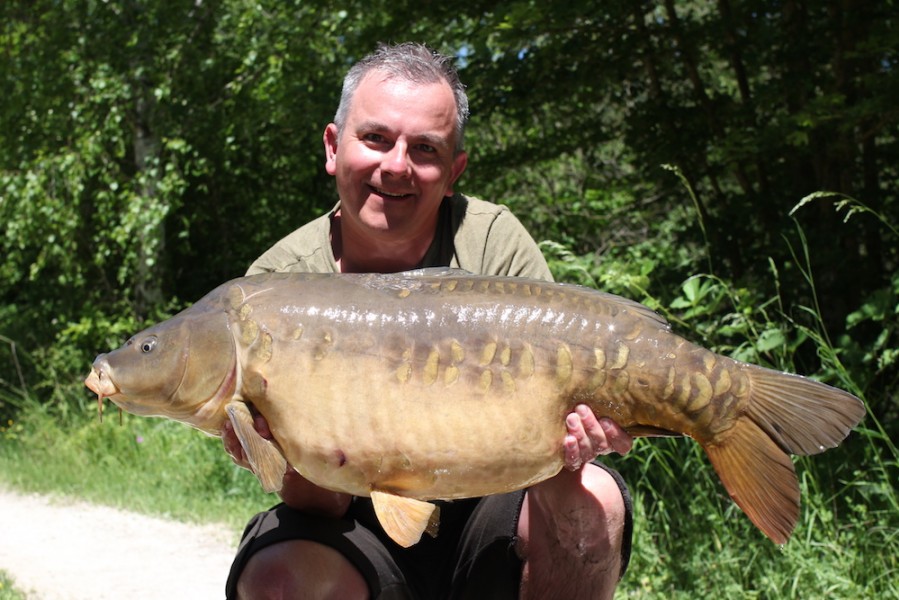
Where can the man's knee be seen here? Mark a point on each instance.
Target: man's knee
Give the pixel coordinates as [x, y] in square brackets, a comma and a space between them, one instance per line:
[611, 505]
[572, 542]
[300, 569]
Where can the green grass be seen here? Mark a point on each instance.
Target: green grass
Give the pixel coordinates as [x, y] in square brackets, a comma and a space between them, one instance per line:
[151, 466]
[691, 541]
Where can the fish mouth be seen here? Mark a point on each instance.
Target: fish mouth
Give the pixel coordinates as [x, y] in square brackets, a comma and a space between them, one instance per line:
[99, 382]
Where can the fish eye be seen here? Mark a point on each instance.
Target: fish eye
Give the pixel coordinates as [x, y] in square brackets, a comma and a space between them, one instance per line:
[147, 345]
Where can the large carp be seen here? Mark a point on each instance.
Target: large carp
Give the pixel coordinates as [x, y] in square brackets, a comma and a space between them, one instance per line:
[391, 386]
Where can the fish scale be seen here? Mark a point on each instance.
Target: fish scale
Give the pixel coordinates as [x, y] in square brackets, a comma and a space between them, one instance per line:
[430, 385]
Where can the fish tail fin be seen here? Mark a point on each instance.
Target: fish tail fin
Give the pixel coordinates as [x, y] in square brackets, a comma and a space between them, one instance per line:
[802, 416]
[786, 414]
[759, 477]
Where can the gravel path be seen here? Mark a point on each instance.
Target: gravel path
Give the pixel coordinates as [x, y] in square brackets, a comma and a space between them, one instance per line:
[71, 550]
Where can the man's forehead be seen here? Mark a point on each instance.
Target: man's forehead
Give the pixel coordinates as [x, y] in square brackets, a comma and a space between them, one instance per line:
[371, 109]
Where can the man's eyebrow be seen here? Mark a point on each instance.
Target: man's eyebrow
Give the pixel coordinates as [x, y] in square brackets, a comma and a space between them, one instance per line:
[371, 126]
[432, 139]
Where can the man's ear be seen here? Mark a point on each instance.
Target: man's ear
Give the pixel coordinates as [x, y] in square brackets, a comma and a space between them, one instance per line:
[330, 140]
[460, 161]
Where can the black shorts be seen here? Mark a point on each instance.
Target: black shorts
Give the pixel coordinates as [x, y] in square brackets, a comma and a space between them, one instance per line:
[472, 557]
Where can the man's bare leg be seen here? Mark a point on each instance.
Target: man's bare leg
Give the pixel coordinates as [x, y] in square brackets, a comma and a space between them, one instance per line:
[571, 527]
[570, 535]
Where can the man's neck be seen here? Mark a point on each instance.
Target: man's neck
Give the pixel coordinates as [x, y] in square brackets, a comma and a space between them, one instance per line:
[363, 253]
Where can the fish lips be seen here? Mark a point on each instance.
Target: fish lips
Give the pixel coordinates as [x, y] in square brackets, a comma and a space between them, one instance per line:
[98, 380]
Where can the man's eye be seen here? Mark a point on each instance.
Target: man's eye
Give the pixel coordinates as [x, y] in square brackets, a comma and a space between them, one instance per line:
[375, 138]
[427, 148]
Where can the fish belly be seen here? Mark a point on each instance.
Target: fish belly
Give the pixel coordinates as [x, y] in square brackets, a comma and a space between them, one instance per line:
[358, 428]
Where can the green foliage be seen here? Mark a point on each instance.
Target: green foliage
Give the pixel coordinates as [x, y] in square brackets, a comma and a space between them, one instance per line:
[147, 154]
[691, 537]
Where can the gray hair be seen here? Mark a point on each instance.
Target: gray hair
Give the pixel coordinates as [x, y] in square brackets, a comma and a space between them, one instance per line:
[412, 62]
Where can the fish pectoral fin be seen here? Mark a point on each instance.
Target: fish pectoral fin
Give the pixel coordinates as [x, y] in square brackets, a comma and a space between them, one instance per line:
[269, 465]
[405, 519]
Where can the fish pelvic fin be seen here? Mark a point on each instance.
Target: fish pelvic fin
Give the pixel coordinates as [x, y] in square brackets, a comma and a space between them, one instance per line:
[405, 519]
[759, 477]
[269, 464]
[801, 415]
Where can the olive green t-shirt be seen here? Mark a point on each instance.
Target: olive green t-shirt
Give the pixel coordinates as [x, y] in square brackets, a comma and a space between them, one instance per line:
[474, 235]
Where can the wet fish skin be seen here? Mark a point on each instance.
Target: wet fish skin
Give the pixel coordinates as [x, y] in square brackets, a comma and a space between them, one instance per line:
[391, 386]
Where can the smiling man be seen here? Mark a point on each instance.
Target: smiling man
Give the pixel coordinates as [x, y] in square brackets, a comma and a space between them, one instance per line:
[395, 149]
[394, 157]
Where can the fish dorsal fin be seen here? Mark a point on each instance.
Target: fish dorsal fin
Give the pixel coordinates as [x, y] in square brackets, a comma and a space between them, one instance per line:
[268, 463]
[405, 519]
[635, 308]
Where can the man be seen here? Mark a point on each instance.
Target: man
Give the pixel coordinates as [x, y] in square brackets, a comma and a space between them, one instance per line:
[395, 150]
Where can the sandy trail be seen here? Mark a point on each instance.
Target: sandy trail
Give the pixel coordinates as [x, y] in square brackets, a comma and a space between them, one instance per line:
[71, 550]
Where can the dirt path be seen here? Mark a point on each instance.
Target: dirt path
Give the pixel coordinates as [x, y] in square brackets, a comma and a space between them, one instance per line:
[70, 550]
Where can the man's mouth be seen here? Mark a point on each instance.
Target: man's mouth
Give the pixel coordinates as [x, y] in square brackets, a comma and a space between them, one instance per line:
[386, 194]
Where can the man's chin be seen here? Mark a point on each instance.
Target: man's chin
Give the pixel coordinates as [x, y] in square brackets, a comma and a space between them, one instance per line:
[389, 215]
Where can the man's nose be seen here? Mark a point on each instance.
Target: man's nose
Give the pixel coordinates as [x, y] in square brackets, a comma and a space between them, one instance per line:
[396, 160]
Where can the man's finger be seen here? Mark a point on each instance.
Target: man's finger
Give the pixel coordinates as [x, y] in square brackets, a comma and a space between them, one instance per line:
[572, 451]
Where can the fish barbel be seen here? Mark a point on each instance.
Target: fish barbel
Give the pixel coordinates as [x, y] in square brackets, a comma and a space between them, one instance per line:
[391, 386]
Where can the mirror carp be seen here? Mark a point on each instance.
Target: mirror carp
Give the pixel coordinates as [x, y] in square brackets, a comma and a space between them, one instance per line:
[391, 386]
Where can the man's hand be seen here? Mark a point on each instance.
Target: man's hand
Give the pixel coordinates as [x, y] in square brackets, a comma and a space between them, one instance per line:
[589, 437]
[296, 491]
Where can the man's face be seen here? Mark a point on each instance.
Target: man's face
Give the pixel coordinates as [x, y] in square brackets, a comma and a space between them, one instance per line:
[395, 159]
